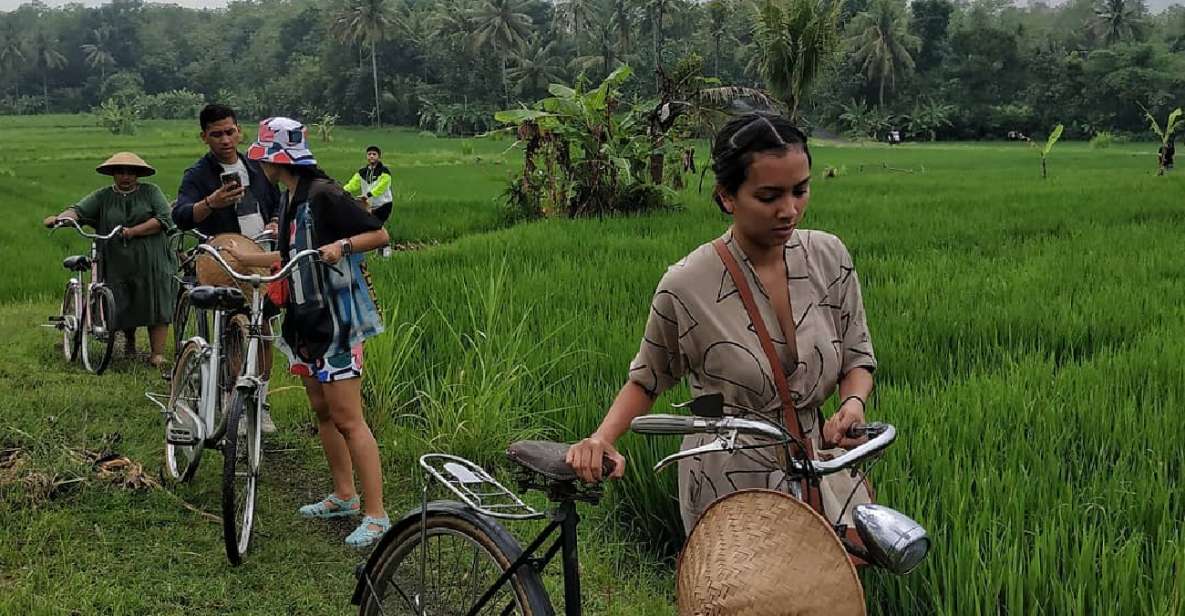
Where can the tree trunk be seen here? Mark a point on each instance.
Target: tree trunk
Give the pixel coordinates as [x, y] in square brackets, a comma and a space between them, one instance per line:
[378, 110]
[45, 90]
[505, 84]
[881, 97]
[717, 37]
[1043, 168]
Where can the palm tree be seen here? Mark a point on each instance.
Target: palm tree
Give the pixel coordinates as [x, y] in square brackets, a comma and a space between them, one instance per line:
[366, 22]
[536, 66]
[451, 20]
[46, 57]
[719, 12]
[503, 26]
[792, 41]
[98, 53]
[656, 11]
[12, 51]
[1118, 20]
[882, 44]
[576, 14]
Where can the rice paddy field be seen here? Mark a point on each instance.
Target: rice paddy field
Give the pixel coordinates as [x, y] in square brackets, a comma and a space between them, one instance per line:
[1030, 333]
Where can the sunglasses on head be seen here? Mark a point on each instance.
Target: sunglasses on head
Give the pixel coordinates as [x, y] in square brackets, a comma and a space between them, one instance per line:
[218, 134]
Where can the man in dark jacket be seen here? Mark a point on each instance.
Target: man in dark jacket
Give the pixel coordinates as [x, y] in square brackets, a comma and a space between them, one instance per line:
[205, 202]
[247, 206]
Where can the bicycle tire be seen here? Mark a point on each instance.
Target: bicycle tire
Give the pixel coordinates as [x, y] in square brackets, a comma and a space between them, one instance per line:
[101, 302]
[187, 322]
[71, 320]
[384, 595]
[240, 475]
[186, 386]
[235, 340]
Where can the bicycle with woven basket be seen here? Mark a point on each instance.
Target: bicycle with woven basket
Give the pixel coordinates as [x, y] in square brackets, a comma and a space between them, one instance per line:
[454, 557]
[196, 417]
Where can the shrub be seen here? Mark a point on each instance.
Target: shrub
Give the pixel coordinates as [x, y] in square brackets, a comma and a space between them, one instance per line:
[172, 105]
[119, 117]
[1102, 140]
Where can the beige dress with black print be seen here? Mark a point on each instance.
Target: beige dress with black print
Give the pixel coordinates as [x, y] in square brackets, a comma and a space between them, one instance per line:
[698, 328]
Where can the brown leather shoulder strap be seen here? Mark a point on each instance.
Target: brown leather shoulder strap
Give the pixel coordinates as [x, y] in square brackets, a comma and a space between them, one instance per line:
[789, 412]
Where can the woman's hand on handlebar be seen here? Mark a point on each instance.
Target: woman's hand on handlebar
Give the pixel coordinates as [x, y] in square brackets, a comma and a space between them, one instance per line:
[55, 220]
[835, 431]
[331, 253]
[587, 459]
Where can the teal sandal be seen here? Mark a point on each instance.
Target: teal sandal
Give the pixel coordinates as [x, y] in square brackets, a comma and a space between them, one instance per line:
[332, 507]
[368, 532]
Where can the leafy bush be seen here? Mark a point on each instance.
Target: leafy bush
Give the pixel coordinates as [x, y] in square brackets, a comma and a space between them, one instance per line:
[455, 119]
[21, 105]
[1102, 140]
[581, 158]
[172, 105]
[119, 117]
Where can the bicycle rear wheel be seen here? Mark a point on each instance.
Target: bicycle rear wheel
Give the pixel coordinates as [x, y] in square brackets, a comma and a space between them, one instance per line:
[187, 322]
[240, 473]
[463, 559]
[98, 339]
[70, 320]
[182, 455]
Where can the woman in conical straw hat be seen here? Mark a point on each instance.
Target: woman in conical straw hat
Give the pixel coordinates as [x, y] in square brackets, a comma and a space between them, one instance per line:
[139, 269]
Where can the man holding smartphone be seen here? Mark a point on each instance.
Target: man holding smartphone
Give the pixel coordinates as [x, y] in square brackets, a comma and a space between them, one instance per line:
[223, 192]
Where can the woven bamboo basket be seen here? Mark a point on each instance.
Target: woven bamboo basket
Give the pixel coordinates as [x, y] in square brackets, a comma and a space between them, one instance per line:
[765, 553]
[209, 272]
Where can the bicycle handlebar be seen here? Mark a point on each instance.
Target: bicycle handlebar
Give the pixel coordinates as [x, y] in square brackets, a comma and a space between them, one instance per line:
[726, 430]
[63, 222]
[255, 279]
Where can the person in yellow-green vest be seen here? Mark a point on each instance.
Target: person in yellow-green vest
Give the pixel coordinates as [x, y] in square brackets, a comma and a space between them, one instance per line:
[373, 184]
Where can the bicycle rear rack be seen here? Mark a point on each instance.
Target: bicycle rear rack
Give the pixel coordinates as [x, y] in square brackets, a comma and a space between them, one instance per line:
[476, 488]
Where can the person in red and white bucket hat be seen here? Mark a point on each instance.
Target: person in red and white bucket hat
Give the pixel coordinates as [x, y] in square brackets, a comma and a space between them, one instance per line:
[329, 313]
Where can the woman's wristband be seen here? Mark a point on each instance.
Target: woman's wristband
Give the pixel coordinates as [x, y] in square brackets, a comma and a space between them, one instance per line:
[347, 247]
[853, 397]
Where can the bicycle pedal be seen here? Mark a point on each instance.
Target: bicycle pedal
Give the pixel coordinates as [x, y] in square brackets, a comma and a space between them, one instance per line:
[176, 435]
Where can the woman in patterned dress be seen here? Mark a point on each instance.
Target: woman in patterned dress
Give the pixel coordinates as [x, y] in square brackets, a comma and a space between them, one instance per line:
[698, 327]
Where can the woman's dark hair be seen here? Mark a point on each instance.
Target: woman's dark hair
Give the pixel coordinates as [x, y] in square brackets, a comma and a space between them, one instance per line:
[311, 172]
[214, 113]
[747, 136]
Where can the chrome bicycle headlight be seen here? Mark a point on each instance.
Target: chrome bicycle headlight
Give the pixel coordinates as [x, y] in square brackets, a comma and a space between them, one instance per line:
[893, 540]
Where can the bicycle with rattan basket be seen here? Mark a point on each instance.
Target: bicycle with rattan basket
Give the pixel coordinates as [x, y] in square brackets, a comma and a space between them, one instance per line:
[193, 413]
[189, 320]
[454, 557]
[88, 307]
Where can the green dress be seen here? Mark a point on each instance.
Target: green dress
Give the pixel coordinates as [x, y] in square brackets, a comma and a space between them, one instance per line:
[138, 271]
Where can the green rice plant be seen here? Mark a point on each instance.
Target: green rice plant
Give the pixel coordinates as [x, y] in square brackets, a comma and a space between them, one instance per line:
[479, 393]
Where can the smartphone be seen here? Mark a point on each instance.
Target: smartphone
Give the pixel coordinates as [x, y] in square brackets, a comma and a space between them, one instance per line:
[231, 178]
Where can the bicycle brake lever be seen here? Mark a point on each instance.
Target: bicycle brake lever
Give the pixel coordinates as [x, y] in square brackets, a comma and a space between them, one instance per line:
[719, 444]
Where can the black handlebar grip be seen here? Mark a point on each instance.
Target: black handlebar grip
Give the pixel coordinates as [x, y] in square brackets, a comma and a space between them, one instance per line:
[607, 466]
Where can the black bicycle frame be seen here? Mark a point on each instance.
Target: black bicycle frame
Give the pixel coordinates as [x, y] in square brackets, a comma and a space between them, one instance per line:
[564, 520]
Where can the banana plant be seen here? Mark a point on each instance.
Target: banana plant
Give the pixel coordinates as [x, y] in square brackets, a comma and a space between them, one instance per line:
[1166, 135]
[1053, 137]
